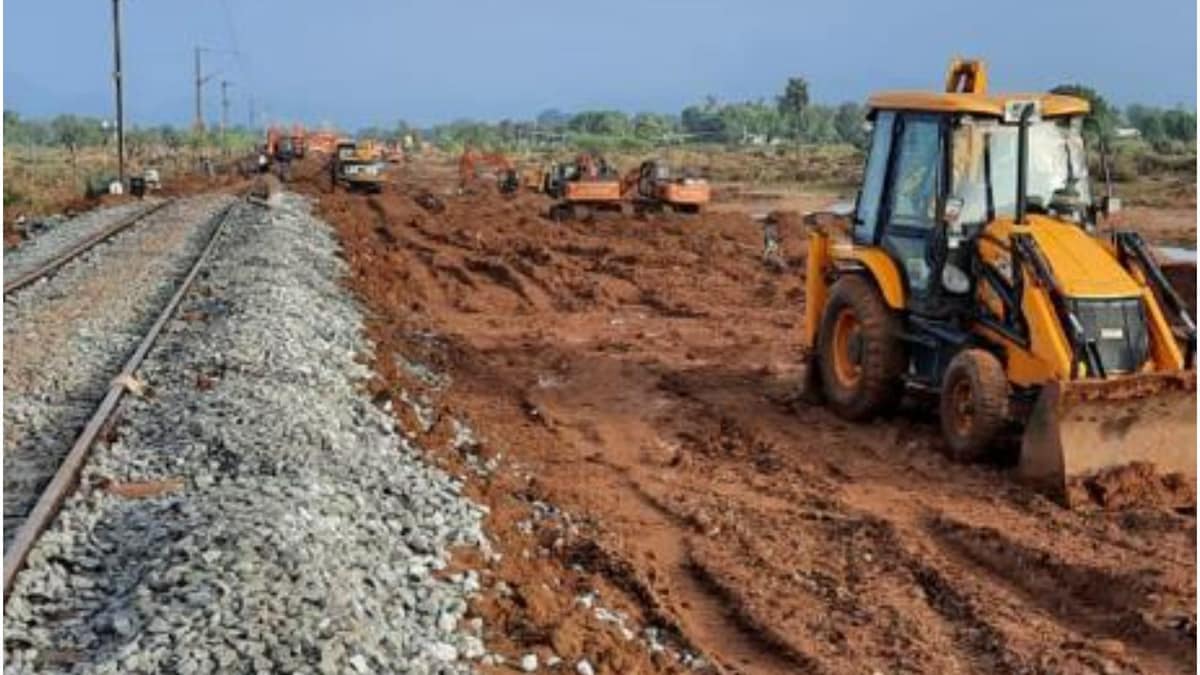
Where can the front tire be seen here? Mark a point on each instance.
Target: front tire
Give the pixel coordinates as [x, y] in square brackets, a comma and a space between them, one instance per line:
[974, 404]
[860, 356]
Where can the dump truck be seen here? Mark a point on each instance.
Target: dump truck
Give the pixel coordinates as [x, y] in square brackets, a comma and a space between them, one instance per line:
[971, 270]
[355, 168]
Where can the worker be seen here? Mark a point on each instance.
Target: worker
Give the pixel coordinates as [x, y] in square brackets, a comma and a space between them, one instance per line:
[285, 152]
[772, 250]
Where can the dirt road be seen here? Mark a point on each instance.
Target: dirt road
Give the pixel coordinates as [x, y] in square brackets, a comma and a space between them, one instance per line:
[628, 385]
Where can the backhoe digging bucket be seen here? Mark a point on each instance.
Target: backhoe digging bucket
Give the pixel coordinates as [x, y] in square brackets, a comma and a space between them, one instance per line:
[1078, 429]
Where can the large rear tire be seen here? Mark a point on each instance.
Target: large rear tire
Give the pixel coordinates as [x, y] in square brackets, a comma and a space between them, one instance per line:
[974, 404]
[860, 356]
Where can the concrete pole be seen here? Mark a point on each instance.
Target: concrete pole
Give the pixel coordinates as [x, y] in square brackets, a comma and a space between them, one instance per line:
[198, 124]
[116, 5]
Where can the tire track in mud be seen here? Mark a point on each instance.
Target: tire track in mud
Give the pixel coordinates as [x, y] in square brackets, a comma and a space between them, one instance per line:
[679, 585]
[942, 554]
[714, 503]
[1084, 599]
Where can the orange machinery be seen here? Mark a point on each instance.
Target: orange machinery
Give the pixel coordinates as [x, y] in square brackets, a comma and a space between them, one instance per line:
[323, 142]
[588, 184]
[656, 189]
[272, 141]
[298, 141]
[471, 160]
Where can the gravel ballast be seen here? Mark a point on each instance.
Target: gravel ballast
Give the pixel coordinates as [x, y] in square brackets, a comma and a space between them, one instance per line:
[56, 234]
[280, 523]
[67, 335]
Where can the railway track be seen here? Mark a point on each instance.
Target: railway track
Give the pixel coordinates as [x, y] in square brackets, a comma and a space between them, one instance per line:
[65, 476]
[53, 263]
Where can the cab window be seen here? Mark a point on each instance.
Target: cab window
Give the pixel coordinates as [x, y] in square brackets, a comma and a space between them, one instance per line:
[866, 217]
[912, 197]
[915, 177]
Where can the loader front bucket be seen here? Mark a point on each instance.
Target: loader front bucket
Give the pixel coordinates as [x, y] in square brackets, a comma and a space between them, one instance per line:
[1078, 429]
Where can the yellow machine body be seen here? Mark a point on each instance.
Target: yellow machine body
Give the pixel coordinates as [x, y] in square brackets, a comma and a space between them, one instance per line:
[1081, 421]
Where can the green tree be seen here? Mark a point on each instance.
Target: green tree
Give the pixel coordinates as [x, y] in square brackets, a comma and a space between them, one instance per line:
[815, 124]
[739, 121]
[702, 121]
[1147, 120]
[848, 122]
[795, 97]
[1102, 114]
[601, 122]
[793, 102]
[553, 118]
[1180, 125]
[651, 126]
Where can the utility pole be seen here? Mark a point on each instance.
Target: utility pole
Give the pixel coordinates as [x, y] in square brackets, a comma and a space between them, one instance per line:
[116, 5]
[200, 81]
[198, 124]
[224, 106]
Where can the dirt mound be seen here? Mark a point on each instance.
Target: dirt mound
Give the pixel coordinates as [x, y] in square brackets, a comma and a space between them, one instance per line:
[1135, 485]
[627, 383]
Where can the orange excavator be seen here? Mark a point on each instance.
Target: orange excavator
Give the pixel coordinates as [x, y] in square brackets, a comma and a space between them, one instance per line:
[280, 146]
[272, 145]
[298, 141]
[321, 142]
[471, 160]
[582, 187]
[655, 189]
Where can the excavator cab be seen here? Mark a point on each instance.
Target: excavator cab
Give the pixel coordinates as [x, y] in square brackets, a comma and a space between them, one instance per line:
[657, 188]
[583, 187]
[353, 167]
[970, 271]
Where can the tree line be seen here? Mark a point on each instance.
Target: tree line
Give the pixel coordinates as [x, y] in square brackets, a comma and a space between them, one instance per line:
[74, 132]
[790, 117]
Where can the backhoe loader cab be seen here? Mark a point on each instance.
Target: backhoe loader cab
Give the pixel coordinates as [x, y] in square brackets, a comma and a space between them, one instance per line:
[355, 168]
[970, 270]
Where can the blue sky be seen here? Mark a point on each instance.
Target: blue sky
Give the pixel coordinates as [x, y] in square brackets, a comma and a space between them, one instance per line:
[360, 62]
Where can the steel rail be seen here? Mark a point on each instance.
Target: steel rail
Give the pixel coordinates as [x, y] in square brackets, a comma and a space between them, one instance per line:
[67, 475]
[74, 250]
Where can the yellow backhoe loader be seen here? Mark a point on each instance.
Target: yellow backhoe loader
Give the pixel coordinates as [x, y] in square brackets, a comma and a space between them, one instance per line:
[971, 269]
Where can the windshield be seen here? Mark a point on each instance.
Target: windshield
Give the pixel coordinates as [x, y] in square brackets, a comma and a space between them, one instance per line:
[987, 149]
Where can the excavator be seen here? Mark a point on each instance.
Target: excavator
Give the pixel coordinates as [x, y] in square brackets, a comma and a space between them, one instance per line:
[582, 187]
[280, 146]
[298, 141]
[655, 189]
[323, 142]
[471, 160]
[971, 271]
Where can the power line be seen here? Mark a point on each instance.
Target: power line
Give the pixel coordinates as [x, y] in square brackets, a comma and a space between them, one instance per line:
[243, 66]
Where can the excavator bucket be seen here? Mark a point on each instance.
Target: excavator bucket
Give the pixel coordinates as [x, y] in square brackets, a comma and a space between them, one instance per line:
[1078, 429]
